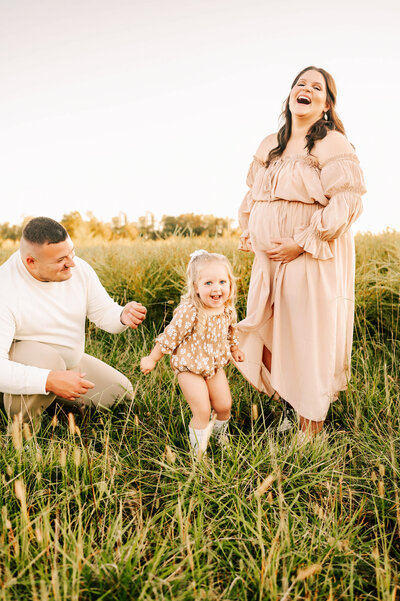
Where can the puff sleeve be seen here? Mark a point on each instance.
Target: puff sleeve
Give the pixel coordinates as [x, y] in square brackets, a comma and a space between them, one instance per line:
[245, 207]
[343, 184]
[180, 326]
[233, 333]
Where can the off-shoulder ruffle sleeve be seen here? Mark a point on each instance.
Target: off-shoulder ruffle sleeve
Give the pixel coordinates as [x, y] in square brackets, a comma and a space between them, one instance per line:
[180, 326]
[245, 207]
[343, 184]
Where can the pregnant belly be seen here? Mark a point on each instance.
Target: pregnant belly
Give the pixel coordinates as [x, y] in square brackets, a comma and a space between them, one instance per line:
[270, 220]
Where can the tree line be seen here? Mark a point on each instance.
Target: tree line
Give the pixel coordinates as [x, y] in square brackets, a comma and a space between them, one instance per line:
[188, 224]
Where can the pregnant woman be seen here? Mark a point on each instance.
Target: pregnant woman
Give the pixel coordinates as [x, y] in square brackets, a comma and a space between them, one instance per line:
[305, 192]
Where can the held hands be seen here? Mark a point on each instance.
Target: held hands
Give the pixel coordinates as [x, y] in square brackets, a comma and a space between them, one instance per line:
[68, 385]
[133, 314]
[147, 364]
[286, 250]
[237, 354]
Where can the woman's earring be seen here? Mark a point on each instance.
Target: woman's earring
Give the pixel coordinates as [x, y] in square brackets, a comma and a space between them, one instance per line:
[326, 116]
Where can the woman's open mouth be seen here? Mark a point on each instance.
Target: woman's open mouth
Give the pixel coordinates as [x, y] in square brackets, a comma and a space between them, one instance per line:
[303, 100]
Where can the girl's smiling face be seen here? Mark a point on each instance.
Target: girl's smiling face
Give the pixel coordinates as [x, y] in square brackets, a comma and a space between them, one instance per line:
[308, 96]
[213, 285]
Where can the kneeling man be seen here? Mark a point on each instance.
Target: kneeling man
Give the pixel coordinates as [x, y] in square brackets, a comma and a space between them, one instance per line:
[46, 293]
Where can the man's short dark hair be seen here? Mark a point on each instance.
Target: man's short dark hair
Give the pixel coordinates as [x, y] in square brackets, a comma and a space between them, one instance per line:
[43, 230]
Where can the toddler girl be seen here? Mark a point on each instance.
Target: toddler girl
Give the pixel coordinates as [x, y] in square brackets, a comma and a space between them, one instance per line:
[202, 337]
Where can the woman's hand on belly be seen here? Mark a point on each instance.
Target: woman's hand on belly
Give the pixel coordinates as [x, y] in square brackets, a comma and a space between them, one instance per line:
[285, 250]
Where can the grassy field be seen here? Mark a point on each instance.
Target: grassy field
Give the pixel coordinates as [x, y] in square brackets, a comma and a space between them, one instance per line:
[114, 507]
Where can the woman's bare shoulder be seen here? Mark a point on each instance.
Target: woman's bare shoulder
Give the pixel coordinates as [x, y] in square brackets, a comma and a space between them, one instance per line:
[332, 145]
[266, 145]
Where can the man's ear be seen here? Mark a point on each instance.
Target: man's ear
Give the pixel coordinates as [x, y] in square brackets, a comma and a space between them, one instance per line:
[30, 260]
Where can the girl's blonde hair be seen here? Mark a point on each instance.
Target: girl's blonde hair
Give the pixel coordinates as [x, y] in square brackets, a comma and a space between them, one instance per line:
[198, 260]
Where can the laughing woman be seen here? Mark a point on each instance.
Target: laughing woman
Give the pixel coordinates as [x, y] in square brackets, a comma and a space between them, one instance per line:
[305, 192]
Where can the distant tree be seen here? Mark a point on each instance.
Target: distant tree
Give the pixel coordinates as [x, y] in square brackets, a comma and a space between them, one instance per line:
[120, 221]
[186, 224]
[169, 225]
[98, 229]
[189, 224]
[10, 232]
[216, 226]
[73, 223]
[128, 231]
[146, 225]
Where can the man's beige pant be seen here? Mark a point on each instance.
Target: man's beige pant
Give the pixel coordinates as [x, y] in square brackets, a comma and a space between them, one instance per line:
[109, 383]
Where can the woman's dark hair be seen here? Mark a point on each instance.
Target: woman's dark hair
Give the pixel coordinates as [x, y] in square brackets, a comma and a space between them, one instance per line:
[320, 128]
[43, 230]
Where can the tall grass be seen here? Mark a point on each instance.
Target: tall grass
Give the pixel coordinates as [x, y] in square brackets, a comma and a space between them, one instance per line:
[114, 507]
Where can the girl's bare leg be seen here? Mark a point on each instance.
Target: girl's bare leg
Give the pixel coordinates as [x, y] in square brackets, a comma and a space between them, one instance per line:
[267, 358]
[195, 391]
[220, 395]
[307, 425]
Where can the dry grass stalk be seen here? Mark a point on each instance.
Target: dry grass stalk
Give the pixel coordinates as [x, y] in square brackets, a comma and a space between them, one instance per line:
[71, 423]
[77, 456]
[20, 493]
[265, 485]
[34, 593]
[318, 510]
[39, 535]
[26, 431]
[136, 420]
[254, 411]
[170, 455]
[381, 488]
[343, 545]
[63, 457]
[302, 574]
[44, 596]
[54, 421]
[4, 515]
[305, 573]
[16, 433]
[55, 583]
[118, 545]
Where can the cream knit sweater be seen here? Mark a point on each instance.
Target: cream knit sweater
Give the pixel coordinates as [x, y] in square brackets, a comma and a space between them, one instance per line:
[50, 312]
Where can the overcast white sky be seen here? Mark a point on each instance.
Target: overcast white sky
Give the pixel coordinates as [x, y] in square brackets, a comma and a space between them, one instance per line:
[118, 105]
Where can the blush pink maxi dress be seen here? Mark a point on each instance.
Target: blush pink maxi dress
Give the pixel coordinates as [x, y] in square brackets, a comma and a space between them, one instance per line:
[302, 311]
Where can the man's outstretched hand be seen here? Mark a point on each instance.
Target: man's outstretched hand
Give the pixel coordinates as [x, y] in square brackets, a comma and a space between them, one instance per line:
[133, 314]
[68, 385]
